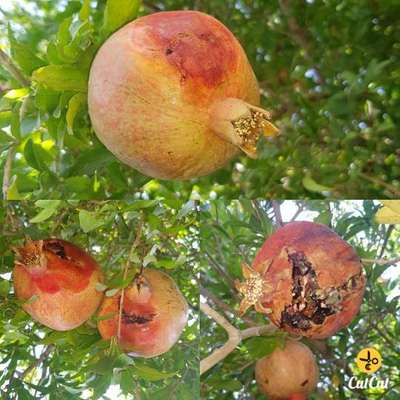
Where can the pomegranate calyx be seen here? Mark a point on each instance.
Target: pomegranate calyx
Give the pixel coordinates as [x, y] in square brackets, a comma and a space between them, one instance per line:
[241, 124]
[31, 255]
[139, 290]
[253, 289]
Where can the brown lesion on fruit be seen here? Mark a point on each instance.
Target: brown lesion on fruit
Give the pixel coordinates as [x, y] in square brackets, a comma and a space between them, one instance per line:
[312, 304]
[56, 247]
[304, 383]
[137, 319]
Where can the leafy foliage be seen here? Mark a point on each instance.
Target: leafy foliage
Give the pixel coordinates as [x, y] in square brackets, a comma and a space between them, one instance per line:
[328, 70]
[232, 232]
[79, 363]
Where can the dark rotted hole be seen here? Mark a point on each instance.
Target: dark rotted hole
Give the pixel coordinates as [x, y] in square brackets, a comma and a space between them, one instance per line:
[304, 383]
[168, 51]
[304, 277]
[136, 319]
[57, 248]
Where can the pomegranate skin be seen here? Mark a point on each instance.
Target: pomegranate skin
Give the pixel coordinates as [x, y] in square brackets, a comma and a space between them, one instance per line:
[289, 373]
[152, 318]
[62, 277]
[152, 88]
[313, 280]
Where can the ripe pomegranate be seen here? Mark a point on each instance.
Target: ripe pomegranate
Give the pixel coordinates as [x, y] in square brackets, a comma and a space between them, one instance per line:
[62, 279]
[173, 95]
[307, 279]
[154, 313]
[290, 373]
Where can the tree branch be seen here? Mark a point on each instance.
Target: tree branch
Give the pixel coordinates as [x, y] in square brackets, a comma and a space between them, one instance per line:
[235, 336]
[42, 357]
[223, 306]
[277, 212]
[7, 171]
[7, 63]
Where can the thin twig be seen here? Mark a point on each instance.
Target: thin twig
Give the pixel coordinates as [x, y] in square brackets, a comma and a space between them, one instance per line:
[127, 265]
[42, 357]
[235, 336]
[151, 6]
[225, 307]
[300, 209]
[7, 63]
[7, 171]
[395, 191]
[380, 261]
[386, 240]
[277, 212]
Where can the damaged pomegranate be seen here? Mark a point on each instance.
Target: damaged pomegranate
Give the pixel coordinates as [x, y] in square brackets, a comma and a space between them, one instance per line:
[173, 95]
[290, 373]
[57, 280]
[153, 315]
[306, 279]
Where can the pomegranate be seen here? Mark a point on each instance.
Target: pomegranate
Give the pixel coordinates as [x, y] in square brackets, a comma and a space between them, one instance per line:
[58, 278]
[307, 279]
[290, 373]
[153, 315]
[173, 95]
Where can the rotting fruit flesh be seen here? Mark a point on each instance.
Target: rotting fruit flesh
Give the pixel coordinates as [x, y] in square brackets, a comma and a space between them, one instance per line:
[173, 95]
[290, 373]
[57, 280]
[153, 315]
[306, 279]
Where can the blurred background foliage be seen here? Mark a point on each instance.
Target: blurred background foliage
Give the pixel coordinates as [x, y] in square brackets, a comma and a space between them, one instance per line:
[39, 363]
[329, 71]
[232, 232]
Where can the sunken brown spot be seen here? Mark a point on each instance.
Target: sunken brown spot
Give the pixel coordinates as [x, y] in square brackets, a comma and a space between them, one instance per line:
[311, 304]
[56, 248]
[136, 319]
[304, 383]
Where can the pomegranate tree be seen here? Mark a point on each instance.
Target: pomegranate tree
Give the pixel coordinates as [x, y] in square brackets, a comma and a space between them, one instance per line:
[153, 315]
[306, 278]
[59, 279]
[173, 95]
[290, 373]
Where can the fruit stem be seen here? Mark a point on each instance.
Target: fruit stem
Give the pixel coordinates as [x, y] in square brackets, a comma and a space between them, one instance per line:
[241, 124]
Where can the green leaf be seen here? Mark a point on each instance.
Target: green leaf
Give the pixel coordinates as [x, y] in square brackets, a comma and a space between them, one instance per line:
[127, 382]
[15, 94]
[5, 118]
[89, 220]
[117, 13]
[36, 156]
[78, 184]
[49, 208]
[259, 347]
[4, 287]
[148, 373]
[23, 55]
[61, 77]
[111, 292]
[74, 105]
[85, 10]
[310, 184]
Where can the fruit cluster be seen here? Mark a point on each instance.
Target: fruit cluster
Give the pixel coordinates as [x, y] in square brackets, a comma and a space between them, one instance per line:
[57, 282]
